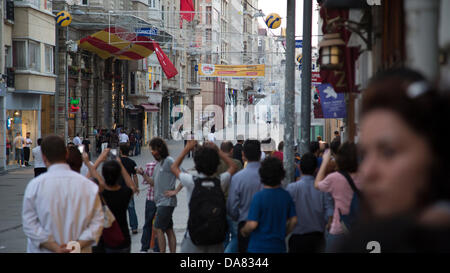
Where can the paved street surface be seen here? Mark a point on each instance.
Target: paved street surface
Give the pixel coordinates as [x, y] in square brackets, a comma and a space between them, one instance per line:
[12, 188]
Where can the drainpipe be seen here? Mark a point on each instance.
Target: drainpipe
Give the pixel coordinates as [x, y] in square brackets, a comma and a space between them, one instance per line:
[422, 21]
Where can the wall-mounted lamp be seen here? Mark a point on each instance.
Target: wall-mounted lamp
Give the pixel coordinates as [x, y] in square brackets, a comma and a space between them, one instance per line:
[331, 51]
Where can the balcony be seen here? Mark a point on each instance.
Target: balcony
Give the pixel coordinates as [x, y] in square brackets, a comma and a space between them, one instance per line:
[193, 88]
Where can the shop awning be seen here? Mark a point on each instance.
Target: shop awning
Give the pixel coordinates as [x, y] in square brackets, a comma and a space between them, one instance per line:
[119, 43]
[150, 108]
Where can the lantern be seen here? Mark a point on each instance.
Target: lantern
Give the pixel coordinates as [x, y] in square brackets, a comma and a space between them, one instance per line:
[331, 52]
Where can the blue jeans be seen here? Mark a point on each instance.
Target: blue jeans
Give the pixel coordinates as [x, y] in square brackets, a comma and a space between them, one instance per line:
[132, 215]
[231, 246]
[150, 211]
[19, 156]
[137, 150]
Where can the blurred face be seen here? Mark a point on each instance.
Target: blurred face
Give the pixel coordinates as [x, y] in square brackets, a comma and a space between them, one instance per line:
[155, 154]
[396, 163]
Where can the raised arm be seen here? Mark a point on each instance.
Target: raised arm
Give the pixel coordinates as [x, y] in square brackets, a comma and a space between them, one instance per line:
[232, 168]
[93, 172]
[323, 168]
[126, 176]
[175, 168]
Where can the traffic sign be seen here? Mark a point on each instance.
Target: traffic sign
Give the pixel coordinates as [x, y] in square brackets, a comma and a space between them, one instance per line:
[298, 43]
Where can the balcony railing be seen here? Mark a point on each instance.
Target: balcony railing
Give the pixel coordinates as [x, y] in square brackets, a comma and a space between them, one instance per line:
[10, 77]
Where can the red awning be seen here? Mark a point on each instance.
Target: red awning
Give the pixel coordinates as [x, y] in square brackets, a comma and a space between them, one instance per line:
[150, 108]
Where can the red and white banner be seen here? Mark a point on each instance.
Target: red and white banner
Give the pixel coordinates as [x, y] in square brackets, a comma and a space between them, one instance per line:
[167, 66]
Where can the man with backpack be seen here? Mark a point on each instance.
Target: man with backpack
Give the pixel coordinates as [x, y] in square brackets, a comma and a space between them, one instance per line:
[207, 224]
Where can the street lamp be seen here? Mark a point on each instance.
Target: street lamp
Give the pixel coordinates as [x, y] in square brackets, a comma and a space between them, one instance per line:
[330, 51]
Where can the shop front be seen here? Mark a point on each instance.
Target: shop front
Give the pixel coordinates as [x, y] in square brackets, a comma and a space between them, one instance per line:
[23, 115]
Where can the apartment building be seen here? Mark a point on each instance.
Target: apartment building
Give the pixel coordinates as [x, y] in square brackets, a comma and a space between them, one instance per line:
[28, 74]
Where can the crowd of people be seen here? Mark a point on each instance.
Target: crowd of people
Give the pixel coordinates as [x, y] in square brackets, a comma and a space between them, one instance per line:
[391, 187]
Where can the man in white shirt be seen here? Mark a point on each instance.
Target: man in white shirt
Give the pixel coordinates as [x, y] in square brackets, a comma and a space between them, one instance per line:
[60, 205]
[123, 138]
[39, 164]
[77, 140]
[27, 148]
[18, 144]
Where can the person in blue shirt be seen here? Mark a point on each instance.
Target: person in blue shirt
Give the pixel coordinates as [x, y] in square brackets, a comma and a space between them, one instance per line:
[272, 213]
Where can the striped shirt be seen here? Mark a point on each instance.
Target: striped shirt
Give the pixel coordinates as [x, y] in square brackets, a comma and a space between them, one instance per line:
[149, 167]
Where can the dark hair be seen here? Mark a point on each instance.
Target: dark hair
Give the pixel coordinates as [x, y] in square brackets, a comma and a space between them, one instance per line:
[39, 141]
[271, 171]
[226, 146]
[124, 148]
[206, 160]
[252, 149]
[74, 158]
[308, 164]
[281, 146]
[54, 149]
[334, 146]
[314, 146]
[336, 132]
[158, 144]
[347, 157]
[423, 112]
[111, 172]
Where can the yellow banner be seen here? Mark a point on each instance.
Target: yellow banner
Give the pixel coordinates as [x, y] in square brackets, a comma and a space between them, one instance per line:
[235, 71]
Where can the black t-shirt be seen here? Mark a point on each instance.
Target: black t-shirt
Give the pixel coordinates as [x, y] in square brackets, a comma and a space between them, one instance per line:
[129, 165]
[237, 152]
[117, 202]
[86, 143]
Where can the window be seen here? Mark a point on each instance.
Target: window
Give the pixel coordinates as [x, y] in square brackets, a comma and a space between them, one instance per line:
[84, 2]
[152, 3]
[34, 56]
[208, 15]
[163, 16]
[48, 59]
[153, 77]
[208, 36]
[9, 10]
[19, 54]
[8, 57]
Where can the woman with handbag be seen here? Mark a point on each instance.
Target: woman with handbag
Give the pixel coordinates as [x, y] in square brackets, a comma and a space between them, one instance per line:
[117, 199]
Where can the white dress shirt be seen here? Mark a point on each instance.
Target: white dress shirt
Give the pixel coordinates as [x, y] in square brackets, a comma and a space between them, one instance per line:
[37, 155]
[123, 138]
[61, 205]
[77, 140]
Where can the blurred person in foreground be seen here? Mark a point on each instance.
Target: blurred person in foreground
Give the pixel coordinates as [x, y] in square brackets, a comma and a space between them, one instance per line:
[405, 167]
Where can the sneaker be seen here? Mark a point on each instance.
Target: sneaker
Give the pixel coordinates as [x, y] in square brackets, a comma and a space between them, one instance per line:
[143, 251]
[23, 166]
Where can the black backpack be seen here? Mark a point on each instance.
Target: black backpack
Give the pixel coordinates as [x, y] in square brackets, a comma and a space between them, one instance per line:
[207, 222]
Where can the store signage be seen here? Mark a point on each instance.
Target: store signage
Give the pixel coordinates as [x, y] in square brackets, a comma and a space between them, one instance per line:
[147, 31]
[235, 71]
[333, 104]
[73, 105]
[298, 43]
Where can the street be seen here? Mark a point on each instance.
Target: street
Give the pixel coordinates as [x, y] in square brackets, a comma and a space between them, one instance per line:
[12, 188]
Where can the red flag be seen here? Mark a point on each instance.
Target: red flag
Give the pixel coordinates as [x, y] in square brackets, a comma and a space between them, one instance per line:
[167, 66]
[186, 5]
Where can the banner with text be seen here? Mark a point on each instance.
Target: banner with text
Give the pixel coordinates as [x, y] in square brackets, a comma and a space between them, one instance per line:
[235, 71]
